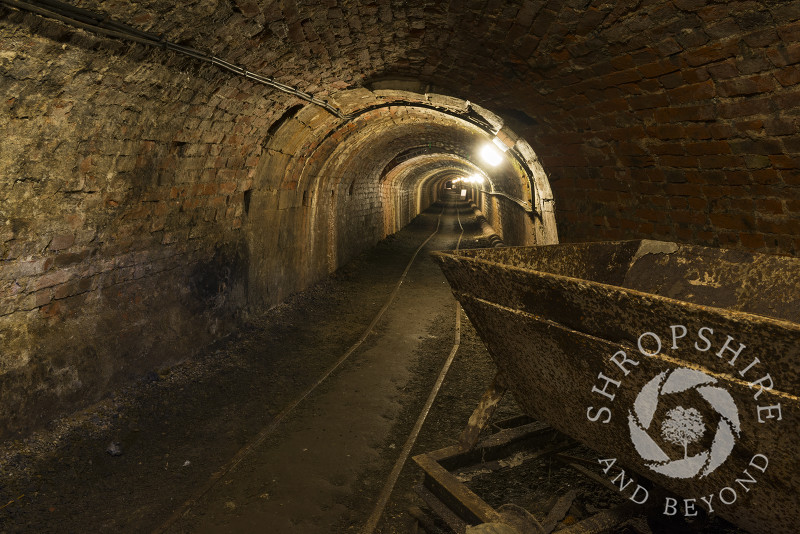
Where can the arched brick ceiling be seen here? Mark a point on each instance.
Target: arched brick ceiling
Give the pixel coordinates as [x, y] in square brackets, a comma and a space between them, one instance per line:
[376, 170]
[128, 171]
[626, 103]
[430, 171]
[388, 130]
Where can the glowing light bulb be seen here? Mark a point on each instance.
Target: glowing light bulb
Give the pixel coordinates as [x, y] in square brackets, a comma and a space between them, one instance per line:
[491, 156]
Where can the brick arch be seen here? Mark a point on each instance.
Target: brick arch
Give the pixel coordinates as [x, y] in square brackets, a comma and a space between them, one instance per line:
[131, 176]
[333, 179]
[666, 119]
[412, 185]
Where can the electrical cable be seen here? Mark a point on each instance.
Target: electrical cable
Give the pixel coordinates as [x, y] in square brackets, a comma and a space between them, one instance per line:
[101, 24]
[518, 201]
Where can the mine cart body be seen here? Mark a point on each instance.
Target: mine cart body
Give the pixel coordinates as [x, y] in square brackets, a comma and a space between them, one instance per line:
[678, 362]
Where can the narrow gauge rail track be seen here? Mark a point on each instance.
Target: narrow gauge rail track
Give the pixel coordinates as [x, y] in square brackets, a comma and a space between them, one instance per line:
[386, 492]
[289, 408]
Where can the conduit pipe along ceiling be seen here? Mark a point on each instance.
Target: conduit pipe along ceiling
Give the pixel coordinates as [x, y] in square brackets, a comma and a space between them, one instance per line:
[356, 180]
[387, 131]
[335, 158]
[463, 129]
[172, 177]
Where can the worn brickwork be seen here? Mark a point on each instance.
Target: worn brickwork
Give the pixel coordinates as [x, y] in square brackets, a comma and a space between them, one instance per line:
[122, 194]
[138, 187]
[673, 120]
[327, 190]
[414, 181]
[507, 218]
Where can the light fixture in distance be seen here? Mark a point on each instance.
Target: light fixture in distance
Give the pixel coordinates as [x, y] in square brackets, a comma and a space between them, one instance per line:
[473, 179]
[491, 155]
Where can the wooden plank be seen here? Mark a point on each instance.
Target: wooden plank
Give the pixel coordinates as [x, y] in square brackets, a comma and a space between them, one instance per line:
[453, 494]
[483, 412]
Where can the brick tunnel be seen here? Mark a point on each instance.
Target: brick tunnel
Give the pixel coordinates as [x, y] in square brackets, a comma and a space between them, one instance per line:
[171, 170]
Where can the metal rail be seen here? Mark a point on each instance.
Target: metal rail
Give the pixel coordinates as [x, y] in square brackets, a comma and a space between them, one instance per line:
[391, 482]
[458, 505]
[273, 425]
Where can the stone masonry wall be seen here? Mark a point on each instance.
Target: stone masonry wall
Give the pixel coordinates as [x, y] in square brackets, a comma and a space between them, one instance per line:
[130, 188]
[674, 120]
[122, 186]
[694, 137]
[128, 176]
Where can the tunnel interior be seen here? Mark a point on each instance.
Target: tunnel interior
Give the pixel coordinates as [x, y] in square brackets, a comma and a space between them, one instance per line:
[144, 188]
[152, 199]
[350, 184]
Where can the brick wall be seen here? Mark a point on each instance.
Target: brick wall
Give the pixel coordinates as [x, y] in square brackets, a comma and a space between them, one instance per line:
[147, 199]
[671, 120]
[508, 219]
[135, 180]
[326, 191]
[122, 183]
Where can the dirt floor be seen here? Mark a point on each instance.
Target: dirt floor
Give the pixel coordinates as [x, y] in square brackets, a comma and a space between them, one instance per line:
[132, 462]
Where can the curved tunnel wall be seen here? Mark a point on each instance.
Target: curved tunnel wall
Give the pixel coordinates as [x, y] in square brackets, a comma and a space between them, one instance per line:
[131, 177]
[327, 189]
[148, 200]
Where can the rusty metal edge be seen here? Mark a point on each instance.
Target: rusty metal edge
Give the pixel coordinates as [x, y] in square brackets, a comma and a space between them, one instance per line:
[458, 525]
[442, 256]
[454, 494]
